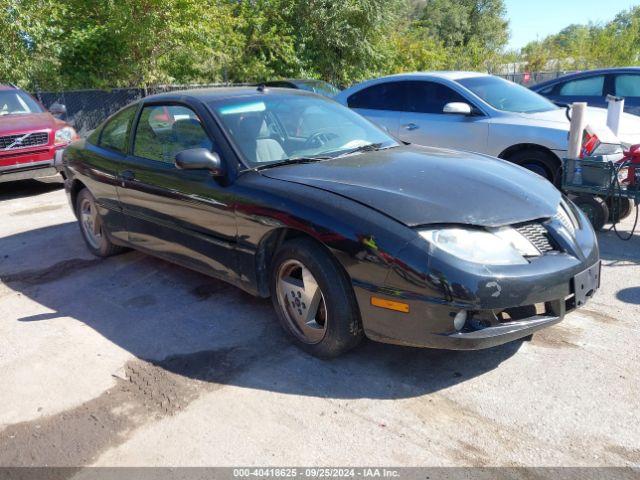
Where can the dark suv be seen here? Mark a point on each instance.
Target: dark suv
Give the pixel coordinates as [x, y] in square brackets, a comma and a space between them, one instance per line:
[29, 136]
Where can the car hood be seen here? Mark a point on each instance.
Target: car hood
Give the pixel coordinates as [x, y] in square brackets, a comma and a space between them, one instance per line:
[422, 185]
[629, 126]
[10, 124]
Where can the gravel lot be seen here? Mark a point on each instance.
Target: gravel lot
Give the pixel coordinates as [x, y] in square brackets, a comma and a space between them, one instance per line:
[134, 361]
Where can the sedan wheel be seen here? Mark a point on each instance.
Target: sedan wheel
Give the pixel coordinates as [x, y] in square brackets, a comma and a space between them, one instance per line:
[302, 302]
[90, 223]
[92, 227]
[542, 163]
[314, 299]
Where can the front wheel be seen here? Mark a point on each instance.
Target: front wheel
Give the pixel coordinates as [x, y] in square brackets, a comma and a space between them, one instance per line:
[314, 300]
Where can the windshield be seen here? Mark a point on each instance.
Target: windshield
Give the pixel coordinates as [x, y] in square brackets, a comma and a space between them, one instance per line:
[318, 86]
[14, 102]
[507, 96]
[276, 128]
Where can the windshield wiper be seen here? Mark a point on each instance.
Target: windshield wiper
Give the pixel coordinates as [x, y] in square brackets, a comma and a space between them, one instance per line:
[370, 147]
[289, 161]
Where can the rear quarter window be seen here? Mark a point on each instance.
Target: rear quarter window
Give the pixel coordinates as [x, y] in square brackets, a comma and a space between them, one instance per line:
[94, 136]
[584, 87]
[546, 90]
[115, 133]
[383, 96]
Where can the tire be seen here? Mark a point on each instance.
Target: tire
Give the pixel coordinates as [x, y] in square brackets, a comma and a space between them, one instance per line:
[544, 164]
[595, 208]
[325, 324]
[97, 242]
[619, 208]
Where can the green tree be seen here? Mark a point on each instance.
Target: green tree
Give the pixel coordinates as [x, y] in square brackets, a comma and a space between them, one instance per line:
[341, 40]
[264, 46]
[412, 49]
[473, 30]
[14, 54]
[616, 43]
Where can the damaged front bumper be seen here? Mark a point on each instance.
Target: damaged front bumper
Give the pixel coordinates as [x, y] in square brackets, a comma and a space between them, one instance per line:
[500, 304]
[430, 324]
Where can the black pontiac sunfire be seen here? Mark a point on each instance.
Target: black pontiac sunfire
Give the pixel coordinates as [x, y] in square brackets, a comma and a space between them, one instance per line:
[287, 194]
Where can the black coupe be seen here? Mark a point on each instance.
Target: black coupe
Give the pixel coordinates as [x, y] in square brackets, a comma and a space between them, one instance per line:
[288, 194]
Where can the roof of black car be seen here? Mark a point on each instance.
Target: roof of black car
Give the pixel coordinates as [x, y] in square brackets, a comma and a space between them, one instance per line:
[585, 73]
[218, 93]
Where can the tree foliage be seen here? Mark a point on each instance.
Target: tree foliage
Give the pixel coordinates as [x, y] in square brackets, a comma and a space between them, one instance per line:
[580, 47]
[70, 44]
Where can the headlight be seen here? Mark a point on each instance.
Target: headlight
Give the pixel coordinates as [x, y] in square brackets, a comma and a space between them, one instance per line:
[566, 216]
[500, 246]
[65, 135]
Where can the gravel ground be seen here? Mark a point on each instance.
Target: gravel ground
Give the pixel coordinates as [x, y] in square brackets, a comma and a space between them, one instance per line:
[131, 361]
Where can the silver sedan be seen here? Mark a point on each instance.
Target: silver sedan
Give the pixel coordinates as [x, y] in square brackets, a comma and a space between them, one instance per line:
[475, 112]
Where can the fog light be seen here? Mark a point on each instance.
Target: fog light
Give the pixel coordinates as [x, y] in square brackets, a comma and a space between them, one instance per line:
[460, 319]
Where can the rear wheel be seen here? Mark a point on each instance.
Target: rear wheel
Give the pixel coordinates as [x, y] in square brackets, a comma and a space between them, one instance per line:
[595, 208]
[92, 227]
[314, 299]
[542, 163]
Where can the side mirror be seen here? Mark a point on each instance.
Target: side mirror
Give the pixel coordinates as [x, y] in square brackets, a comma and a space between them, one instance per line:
[200, 159]
[459, 108]
[57, 109]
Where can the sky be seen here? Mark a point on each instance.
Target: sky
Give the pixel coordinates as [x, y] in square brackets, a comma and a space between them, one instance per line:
[530, 20]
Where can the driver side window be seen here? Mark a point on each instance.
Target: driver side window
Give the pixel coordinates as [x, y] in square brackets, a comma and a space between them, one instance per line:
[165, 130]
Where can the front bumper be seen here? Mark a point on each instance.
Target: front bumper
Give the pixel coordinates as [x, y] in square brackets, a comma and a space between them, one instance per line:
[502, 303]
[429, 323]
[28, 171]
[37, 164]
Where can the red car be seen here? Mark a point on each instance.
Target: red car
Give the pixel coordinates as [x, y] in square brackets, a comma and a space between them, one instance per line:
[29, 136]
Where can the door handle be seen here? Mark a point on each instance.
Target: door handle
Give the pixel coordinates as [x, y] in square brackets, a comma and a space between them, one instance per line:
[410, 126]
[127, 176]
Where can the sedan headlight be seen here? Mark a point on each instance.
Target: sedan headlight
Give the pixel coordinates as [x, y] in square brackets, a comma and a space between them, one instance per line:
[65, 135]
[567, 218]
[500, 246]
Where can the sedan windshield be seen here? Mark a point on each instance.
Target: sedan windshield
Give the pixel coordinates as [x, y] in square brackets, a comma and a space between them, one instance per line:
[506, 96]
[279, 128]
[14, 102]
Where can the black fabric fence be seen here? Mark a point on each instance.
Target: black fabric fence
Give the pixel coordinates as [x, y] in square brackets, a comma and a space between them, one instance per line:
[86, 109]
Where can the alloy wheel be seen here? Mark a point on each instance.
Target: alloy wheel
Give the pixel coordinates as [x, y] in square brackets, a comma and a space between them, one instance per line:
[90, 223]
[302, 301]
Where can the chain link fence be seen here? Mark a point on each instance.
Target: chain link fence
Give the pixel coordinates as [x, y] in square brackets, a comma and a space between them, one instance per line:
[86, 109]
[529, 79]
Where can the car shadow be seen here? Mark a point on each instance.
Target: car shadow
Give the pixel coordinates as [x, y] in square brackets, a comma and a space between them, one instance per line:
[207, 330]
[27, 188]
[629, 295]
